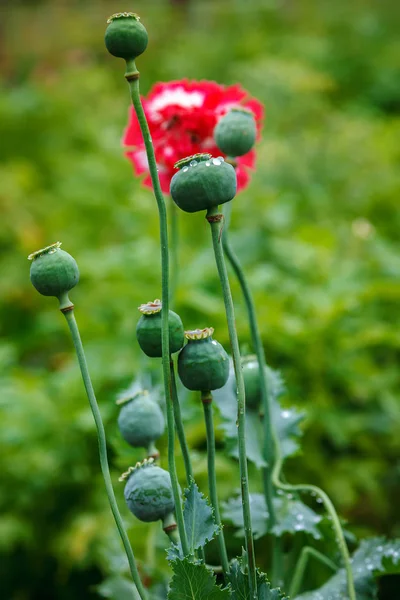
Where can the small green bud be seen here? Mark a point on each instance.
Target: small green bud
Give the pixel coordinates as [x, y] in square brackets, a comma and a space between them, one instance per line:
[53, 271]
[203, 364]
[235, 133]
[149, 329]
[125, 36]
[202, 182]
[148, 491]
[141, 420]
[251, 376]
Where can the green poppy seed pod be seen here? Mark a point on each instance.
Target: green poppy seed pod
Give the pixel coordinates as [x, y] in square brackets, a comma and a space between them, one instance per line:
[203, 364]
[235, 133]
[148, 491]
[149, 328]
[141, 420]
[53, 271]
[125, 36]
[202, 182]
[251, 378]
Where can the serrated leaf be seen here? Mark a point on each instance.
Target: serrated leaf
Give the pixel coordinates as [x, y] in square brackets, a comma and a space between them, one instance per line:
[199, 520]
[292, 516]
[374, 557]
[193, 581]
[240, 584]
[286, 421]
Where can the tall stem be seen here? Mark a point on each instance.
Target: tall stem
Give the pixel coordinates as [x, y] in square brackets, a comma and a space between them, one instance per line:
[180, 429]
[304, 487]
[132, 76]
[206, 398]
[73, 327]
[215, 220]
[174, 230]
[258, 347]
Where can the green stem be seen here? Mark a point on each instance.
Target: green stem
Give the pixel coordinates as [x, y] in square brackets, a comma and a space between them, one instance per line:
[329, 508]
[180, 429]
[73, 327]
[132, 76]
[174, 221]
[268, 450]
[171, 530]
[215, 220]
[306, 553]
[206, 398]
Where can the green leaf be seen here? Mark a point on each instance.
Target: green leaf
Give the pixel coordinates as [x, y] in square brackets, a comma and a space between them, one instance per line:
[232, 511]
[193, 581]
[285, 420]
[292, 516]
[199, 519]
[200, 523]
[118, 588]
[240, 583]
[374, 557]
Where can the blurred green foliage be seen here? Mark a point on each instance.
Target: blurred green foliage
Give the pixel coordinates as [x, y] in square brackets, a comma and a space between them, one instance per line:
[317, 232]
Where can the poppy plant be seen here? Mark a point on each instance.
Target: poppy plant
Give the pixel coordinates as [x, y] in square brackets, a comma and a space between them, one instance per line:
[182, 116]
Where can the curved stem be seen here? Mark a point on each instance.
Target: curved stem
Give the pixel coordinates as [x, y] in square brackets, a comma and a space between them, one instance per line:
[132, 76]
[329, 508]
[73, 327]
[180, 429]
[206, 398]
[306, 553]
[215, 220]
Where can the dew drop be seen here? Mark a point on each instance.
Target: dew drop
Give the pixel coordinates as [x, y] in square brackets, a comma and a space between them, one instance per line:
[216, 162]
[208, 163]
[285, 414]
[299, 517]
[221, 158]
[185, 169]
[193, 163]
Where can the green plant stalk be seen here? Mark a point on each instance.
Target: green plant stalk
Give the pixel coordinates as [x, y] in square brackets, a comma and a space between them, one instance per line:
[174, 231]
[206, 398]
[268, 450]
[180, 428]
[73, 327]
[306, 553]
[215, 220]
[329, 508]
[259, 350]
[132, 76]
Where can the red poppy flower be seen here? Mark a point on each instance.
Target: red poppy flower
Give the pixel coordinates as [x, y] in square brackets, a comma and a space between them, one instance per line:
[182, 116]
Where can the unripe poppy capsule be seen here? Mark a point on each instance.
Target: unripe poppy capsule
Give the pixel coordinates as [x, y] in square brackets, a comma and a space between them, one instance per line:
[202, 182]
[203, 364]
[149, 330]
[141, 420]
[251, 376]
[53, 271]
[125, 36]
[236, 132]
[148, 491]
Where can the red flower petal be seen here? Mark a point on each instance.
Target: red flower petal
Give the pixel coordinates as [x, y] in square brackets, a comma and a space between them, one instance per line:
[182, 116]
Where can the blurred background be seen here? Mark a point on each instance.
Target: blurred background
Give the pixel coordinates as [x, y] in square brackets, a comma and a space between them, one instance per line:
[317, 232]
